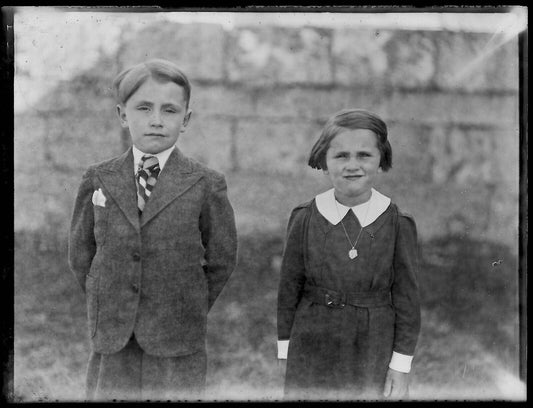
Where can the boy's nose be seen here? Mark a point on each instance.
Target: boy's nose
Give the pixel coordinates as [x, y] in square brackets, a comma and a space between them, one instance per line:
[155, 119]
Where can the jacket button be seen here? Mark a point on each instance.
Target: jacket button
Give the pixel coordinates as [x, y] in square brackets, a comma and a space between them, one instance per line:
[136, 257]
[135, 288]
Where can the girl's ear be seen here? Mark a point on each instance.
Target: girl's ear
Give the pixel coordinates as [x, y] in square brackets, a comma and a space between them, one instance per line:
[380, 170]
[121, 113]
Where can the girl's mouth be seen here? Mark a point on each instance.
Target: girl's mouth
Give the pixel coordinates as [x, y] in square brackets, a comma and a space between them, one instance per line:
[353, 177]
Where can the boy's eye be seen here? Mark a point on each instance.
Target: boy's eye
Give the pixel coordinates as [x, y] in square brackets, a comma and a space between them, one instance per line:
[143, 108]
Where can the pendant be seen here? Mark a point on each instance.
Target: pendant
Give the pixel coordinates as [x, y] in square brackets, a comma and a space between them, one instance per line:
[352, 253]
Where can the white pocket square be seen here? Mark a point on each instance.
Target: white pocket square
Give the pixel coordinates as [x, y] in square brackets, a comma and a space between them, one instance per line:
[99, 198]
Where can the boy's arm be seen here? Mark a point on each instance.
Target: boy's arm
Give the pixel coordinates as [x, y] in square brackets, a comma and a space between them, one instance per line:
[219, 237]
[82, 245]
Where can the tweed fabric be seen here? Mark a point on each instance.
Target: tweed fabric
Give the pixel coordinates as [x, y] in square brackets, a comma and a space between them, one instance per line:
[157, 275]
[132, 375]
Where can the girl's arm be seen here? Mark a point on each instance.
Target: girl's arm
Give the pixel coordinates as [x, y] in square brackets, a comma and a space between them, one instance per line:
[405, 299]
[292, 277]
[405, 296]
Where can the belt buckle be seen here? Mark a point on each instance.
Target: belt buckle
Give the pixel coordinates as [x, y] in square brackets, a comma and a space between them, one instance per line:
[334, 302]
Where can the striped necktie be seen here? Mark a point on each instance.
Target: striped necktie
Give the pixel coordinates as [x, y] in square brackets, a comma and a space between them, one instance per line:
[147, 173]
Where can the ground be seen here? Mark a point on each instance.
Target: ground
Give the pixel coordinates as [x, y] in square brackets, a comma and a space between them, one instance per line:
[464, 352]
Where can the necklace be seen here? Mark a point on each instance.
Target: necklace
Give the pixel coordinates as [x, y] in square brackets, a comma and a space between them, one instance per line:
[352, 253]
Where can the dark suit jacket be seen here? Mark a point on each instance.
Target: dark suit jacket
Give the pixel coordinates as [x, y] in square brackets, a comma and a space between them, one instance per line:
[156, 275]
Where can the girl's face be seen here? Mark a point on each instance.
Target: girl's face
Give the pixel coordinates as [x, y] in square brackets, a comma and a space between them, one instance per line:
[155, 115]
[352, 162]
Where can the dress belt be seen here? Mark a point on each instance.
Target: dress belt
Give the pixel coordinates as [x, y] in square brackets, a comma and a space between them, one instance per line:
[338, 299]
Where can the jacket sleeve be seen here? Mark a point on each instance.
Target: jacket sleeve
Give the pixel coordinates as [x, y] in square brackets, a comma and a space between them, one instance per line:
[219, 238]
[82, 244]
[292, 275]
[405, 296]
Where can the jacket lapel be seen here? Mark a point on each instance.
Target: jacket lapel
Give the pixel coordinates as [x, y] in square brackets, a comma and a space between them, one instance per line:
[119, 180]
[175, 179]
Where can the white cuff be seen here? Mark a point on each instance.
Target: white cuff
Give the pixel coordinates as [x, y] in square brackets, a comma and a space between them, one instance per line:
[400, 362]
[283, 347]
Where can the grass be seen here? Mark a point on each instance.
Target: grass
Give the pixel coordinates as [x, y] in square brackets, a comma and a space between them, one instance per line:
[465, 351]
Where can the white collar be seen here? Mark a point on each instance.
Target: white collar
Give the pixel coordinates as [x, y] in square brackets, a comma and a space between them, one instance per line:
[161, 156]
[331, 209]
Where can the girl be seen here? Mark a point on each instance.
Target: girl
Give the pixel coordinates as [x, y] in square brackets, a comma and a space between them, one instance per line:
[348, 294]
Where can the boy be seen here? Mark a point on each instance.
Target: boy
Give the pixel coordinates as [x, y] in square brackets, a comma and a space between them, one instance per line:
[152, 244]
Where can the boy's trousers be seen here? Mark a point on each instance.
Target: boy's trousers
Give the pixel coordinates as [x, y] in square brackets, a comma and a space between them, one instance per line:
[133, 375]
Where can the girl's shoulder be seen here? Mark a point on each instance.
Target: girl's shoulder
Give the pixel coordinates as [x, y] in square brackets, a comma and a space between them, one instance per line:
[303, 206]
[300, 213]
[405, 219]
[301, 209]
[402, 213]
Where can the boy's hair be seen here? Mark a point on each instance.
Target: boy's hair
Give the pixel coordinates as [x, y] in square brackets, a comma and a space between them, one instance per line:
[129, 80]
[351, 119]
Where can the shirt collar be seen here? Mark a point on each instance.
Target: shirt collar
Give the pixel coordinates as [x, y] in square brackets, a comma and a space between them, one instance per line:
[331, 209]
[162, 157]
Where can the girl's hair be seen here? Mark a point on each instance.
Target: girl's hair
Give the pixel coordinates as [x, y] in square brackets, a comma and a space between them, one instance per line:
[351, 119]
[129, 80]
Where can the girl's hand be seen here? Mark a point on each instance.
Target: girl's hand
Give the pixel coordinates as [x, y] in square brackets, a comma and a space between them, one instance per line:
[396, 384]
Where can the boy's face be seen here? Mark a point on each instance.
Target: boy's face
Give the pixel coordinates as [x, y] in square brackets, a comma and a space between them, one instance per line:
[353, 160]
[155, 115]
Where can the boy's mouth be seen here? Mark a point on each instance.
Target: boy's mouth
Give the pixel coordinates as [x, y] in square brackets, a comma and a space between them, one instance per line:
[155, 134]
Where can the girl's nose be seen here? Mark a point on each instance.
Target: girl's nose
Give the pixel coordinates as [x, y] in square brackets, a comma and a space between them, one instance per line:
[352, 164]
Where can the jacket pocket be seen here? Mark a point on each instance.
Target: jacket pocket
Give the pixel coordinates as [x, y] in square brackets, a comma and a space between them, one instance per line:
[91, 285]
[100, 224]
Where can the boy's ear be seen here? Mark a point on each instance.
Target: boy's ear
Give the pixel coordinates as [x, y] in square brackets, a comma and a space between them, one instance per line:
[121, 113]
[186, 120]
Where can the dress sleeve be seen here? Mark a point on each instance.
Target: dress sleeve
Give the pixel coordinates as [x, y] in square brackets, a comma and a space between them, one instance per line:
[292, 277]
[405, 295]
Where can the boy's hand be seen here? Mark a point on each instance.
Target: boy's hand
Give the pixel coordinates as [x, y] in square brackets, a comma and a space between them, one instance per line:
[396, 384]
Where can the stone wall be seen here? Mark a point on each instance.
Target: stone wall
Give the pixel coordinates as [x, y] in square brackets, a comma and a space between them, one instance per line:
[260, 96]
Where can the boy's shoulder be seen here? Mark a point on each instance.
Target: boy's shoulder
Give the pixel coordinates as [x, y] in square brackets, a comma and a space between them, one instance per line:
[108, 164]
[194, 165]
[201, 168]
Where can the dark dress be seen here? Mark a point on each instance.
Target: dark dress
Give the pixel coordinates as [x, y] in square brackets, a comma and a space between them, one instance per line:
[341, 350]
